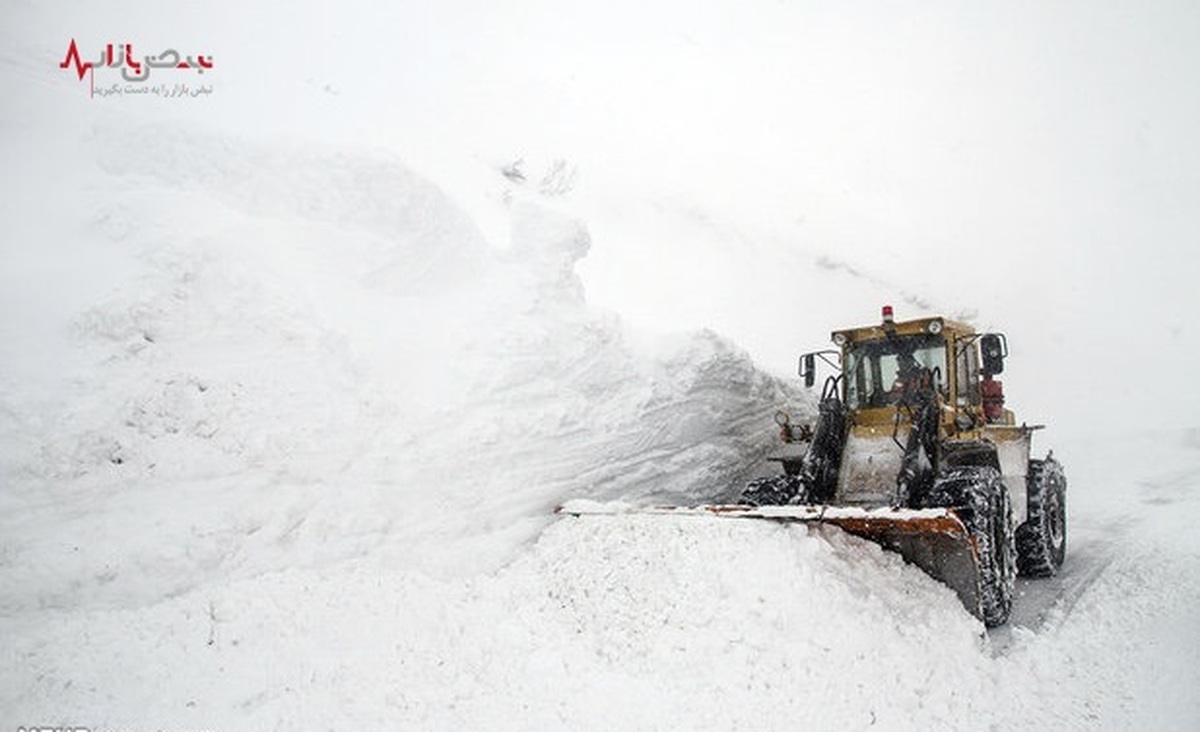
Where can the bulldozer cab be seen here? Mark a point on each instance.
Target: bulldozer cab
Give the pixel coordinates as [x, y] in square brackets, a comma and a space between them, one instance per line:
[878, 368]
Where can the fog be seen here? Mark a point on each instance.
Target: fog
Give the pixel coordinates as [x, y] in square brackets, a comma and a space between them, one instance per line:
[294, 369]
[1028, 165]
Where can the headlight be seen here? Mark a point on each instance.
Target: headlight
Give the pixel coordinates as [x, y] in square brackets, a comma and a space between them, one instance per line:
[839, 339]
[934, 327]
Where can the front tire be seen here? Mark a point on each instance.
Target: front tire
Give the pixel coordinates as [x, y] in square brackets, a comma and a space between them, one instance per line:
[1042, 539]
[981, 501]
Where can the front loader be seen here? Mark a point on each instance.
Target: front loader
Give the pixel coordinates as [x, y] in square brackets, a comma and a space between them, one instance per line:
[913, 448]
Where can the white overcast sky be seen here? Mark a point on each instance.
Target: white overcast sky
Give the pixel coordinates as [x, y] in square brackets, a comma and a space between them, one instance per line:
[1035, 162]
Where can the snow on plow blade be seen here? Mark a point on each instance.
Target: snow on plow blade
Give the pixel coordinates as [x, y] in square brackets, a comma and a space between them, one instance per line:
[933, 539]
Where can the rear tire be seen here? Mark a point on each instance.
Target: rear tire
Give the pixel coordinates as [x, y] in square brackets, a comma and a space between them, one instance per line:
[775, 491]
[981, 501]
[1042, 539]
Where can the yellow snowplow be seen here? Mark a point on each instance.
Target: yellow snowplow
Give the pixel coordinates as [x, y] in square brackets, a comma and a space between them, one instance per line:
[913, 448]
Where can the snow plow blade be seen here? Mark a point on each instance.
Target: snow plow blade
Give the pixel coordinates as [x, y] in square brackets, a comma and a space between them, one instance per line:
[936, 540]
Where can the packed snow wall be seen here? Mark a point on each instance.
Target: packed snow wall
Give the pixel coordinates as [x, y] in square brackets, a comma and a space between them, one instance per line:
[318, 349]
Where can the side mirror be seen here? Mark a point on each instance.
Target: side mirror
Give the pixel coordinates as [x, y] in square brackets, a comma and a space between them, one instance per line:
[808, 369]
[993, 348]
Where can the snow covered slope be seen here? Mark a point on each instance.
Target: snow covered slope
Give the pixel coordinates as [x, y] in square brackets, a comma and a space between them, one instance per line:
[292, 377]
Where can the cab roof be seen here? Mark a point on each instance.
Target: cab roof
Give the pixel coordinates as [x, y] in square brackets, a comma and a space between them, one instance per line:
[886, 327]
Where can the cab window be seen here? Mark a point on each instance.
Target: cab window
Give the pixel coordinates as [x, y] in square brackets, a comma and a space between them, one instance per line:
[873, 367]
[966, 374]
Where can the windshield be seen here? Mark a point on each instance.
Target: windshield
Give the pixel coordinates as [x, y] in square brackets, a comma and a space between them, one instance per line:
[873, 367]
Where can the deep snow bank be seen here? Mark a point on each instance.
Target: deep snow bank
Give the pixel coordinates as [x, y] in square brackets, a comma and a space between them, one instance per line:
[637, 623]
[644, 622]
[301, 355]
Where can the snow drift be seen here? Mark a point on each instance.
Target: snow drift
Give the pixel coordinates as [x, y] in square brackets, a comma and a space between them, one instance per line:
[334, 335]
